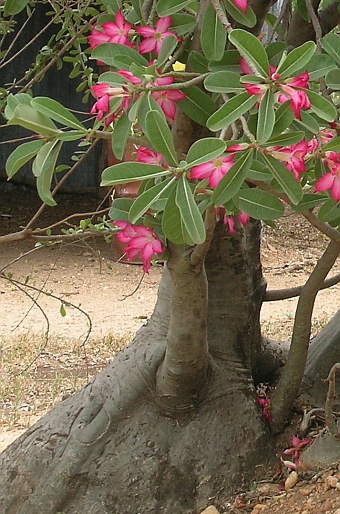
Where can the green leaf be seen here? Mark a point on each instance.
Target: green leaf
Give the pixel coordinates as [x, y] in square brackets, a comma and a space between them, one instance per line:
[333, 79]
[223, 82]
[204, 150]
[183, 23]
[283, 118]
[14, 6]
[296, 60]
[13, 101]
[322, 107]
[285, 179]
[21, 155]
[70, 135]
[131, 172]
[274, 51]
[307, 122]
[168, 46]
[44, 180]
[62, 310]
[213, 36]
[158, 132]
[169, 7]
[198, 62]
[259, 204]
[309, 201]
[29, 118]
[43, 158]
[172, 222]
[259, 172]
[57, 112]
[192, 218]
[197, 105]
[266, 117]
[247, 19]
[329, 211]
[120, 208]
[286, 139]
[148, 198]
[333, 145]
[319, 66]
[230, 184]
[231, 111]
[251, 50]
[331, 44]
[111, 54]
[120, 135]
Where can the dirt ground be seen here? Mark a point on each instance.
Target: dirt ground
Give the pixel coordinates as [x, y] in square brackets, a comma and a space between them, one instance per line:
[61, 283]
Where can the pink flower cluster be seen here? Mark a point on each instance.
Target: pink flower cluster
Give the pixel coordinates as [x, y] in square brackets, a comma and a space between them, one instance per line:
[139, 240]
[286, 91]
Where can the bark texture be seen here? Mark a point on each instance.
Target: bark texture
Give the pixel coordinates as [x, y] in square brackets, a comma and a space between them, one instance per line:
[109, 449]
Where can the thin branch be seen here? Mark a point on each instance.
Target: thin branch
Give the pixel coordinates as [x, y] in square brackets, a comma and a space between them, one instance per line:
[68, 218]
[221, 15]
[274, 295]
[280, 17]
[330, 232]
[330, 422]
[30, 234]
[316, 25]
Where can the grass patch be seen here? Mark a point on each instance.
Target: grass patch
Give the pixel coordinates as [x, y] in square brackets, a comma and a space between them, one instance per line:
[35, 375]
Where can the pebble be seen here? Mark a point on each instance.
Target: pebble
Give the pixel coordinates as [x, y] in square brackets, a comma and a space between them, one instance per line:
[258, 508]
[305, 491]
[210, 510]
[291, 480]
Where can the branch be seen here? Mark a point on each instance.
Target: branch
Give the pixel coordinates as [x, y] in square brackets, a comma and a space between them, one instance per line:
[274, 295]
[330, 232]
[200, 251]
[31, 235]
[330, 422]
[291, 378]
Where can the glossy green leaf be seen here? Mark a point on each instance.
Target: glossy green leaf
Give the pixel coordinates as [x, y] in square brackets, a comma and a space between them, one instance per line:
[109, 52]
[248, 19]
[29, 118]
[131, 172]
[266, 117]
[172, 222]
[333, 145]
[204, 150]
[319, 66]
[285, 139]
[333, 79]
[121, 132]
[44, 180]
[223, 82]
[57, 112]
[321, 106]
[307, 122]
[120, 208]
[21, 155]
[259, 172]
[331, 44]
[296, 60]
[213, 36]
[158, 132]
[259, 204]
[329, 211]
[13, 101]
[251, 50]
[197, 105]
[285, 179]
[231, 183]
[231, 111]
[230, 61]
[169, 7]
[182, 23]
[283, 118]
[168, 46]
[146, 200]
[197, 62]
[14, 6]
[111, 78]
[309, 201]
[43, 158]
[192, 218]
[274, 51]
[70, 135]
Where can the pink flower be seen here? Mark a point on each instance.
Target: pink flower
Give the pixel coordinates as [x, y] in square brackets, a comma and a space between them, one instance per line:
[330, 181]
[139, 239]
[296, 446]
[294, 157]
[148, 156]
[230, 221]
[213, 170]
[298, 99]
[118, 31]
[241, 4]
[154, 37]
[167, 99]
[265, 404]
[300, 80]
[102, 106]
[97, 38]
[245, 68]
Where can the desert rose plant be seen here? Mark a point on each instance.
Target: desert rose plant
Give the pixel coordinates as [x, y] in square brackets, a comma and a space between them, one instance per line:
[230, 128]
